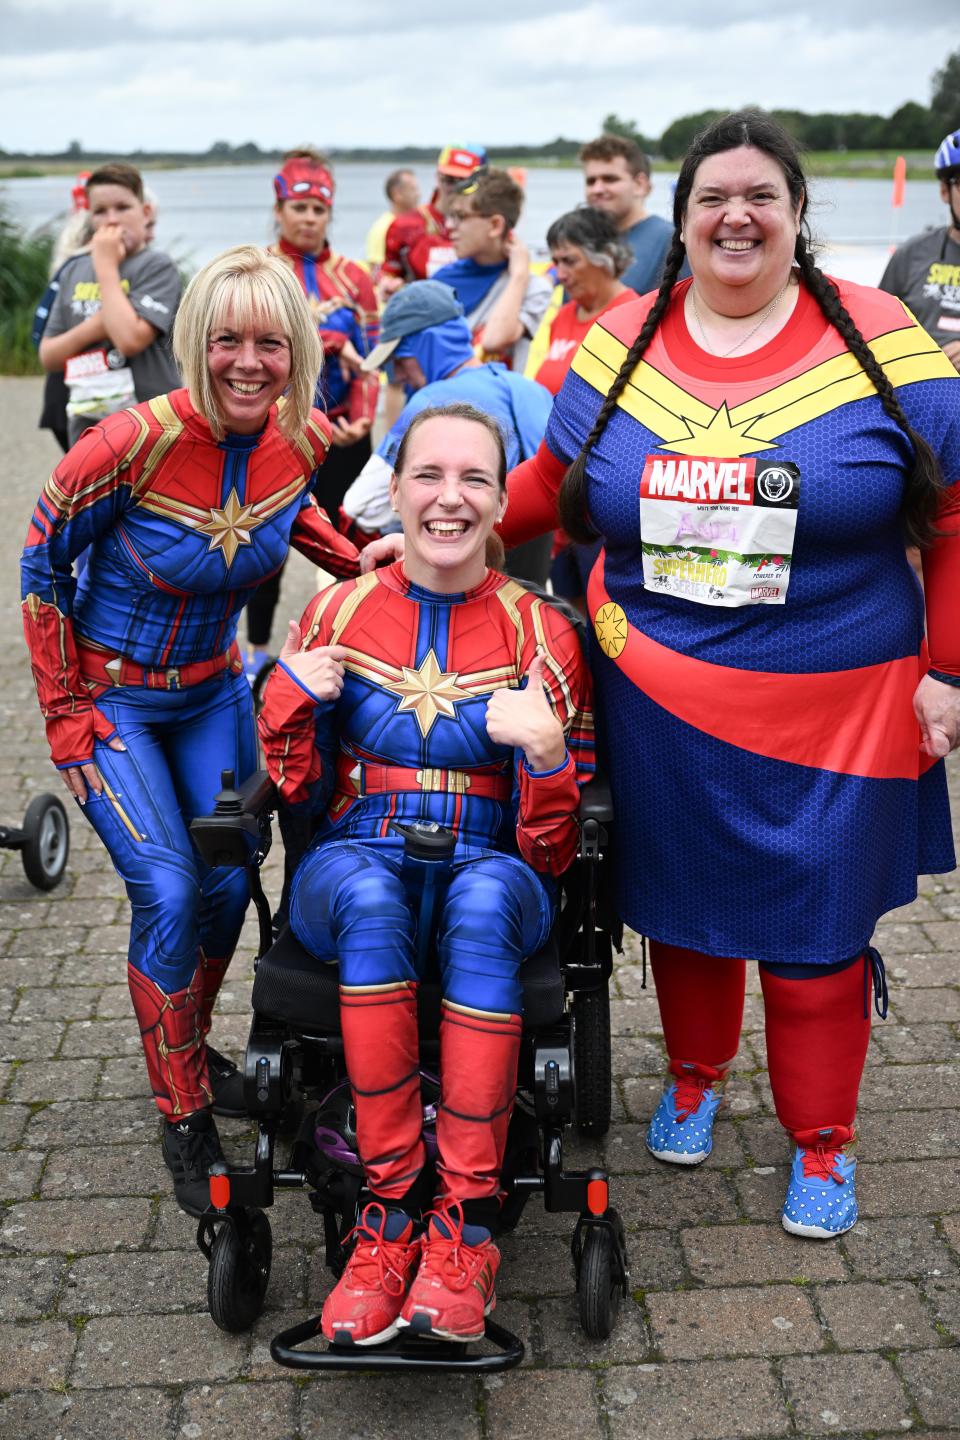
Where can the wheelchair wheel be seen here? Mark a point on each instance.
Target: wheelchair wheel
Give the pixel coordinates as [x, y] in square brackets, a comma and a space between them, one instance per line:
[239, 1271]
[46, 842]
[599, 1289]
[591, 1056]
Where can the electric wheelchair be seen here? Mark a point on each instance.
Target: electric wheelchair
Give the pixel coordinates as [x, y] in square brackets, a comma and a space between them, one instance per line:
[294, 1065]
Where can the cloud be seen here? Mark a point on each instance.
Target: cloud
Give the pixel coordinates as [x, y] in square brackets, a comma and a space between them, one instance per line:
[180, 75]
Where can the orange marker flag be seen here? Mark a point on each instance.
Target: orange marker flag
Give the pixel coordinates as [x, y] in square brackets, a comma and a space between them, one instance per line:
[899, 181]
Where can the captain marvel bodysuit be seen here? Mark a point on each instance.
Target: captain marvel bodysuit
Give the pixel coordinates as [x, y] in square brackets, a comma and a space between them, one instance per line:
[342, 302]
[181, 529]
[340, 296]
[407, 740]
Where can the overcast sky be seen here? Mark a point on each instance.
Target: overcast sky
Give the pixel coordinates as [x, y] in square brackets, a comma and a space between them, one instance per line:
[180, 74]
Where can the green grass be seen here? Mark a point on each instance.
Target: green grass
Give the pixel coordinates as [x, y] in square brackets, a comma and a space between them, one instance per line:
[868, 164]
[24, 263]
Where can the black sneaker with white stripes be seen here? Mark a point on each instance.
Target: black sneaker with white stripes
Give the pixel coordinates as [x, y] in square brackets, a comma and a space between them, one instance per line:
[190, 1147]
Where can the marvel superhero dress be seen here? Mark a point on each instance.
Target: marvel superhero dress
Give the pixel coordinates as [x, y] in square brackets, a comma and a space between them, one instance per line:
[760, 632]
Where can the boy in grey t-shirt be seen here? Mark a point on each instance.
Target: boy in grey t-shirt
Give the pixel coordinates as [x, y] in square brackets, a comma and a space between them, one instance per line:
[109, 328]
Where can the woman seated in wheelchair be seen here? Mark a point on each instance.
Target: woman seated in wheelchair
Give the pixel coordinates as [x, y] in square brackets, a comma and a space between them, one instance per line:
[435, 690]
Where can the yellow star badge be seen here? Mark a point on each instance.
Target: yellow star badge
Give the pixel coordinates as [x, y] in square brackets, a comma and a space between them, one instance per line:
[230, 527]
[610, 623]
[428, 692]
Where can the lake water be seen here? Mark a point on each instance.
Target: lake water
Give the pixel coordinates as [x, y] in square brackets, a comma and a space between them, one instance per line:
[205, 210]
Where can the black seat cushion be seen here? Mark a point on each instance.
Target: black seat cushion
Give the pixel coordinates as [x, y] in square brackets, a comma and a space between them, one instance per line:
[292, 986]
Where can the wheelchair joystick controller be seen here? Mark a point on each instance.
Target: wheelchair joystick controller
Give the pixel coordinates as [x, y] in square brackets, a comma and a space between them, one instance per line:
[229, 801]
[427, 854]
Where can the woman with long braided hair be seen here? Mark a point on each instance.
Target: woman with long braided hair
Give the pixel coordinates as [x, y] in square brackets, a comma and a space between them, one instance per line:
[755, 446]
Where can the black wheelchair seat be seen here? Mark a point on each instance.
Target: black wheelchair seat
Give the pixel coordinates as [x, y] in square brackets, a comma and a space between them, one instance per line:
[292, 987]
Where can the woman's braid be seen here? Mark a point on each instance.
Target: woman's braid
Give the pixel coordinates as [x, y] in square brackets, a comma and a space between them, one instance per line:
[573, 491]
[924, 481]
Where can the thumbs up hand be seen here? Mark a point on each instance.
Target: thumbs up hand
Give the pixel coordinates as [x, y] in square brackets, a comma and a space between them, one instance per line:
[524, 720]
[320, 671]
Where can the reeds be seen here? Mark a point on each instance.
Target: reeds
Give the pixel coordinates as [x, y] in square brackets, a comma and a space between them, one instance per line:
[24, 270]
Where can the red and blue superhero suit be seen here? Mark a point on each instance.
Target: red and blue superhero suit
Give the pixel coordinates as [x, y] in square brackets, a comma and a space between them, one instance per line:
[181, 528]
[418, 243]
[407, 740]
[773, 801]
[324, 278]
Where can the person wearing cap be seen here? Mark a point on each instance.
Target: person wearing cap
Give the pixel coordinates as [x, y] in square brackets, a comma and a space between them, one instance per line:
[428, 342]
[340, 295]
[925, 271]
[419, 243]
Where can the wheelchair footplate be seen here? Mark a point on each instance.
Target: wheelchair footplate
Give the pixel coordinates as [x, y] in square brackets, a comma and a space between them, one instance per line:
[403, 1352]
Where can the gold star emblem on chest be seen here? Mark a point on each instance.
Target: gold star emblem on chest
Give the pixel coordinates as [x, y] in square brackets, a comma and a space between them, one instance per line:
[230, 527]
[428, 691]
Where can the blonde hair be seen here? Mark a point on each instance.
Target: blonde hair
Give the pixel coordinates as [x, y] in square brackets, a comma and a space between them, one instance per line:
[254, 288]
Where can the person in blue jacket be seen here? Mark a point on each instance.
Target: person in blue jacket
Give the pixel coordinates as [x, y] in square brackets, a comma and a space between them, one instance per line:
[427, 342]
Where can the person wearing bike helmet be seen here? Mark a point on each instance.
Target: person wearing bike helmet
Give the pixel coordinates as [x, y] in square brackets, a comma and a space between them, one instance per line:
[925, 271]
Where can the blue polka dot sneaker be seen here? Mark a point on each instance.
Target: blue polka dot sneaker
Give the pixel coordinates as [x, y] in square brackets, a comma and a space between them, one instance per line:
[681, 1130]
[821, 1200]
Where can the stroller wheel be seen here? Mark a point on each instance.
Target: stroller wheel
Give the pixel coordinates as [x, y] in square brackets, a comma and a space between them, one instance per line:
[46, 842]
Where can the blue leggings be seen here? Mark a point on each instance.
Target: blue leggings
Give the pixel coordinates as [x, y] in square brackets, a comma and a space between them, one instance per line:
[177, 743]
[350, 903]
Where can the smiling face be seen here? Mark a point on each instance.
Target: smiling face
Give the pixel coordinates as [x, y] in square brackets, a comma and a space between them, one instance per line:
[303, 224]
[609, 186]
[116, 205]
[449, 498]
[740, 229]
[249, 371]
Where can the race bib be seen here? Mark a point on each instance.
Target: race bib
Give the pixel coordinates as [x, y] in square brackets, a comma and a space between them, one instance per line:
[440, 255]
[719, 532]
[86, 366]
[100, 382]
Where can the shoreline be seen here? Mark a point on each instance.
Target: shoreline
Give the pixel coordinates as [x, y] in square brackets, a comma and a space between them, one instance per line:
[821, 164]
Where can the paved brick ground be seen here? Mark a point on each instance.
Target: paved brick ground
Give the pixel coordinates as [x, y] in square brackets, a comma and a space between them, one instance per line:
[733, 1328]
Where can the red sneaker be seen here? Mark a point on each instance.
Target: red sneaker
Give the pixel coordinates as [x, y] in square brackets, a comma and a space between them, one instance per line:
[364, 1305]
[453, 1290]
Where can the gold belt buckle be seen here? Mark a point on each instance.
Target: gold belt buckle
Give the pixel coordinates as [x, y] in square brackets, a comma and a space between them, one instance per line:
[172, 678]
[458, 783]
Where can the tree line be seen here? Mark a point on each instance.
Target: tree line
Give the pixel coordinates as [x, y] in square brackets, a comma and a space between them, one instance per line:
[911, 127]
